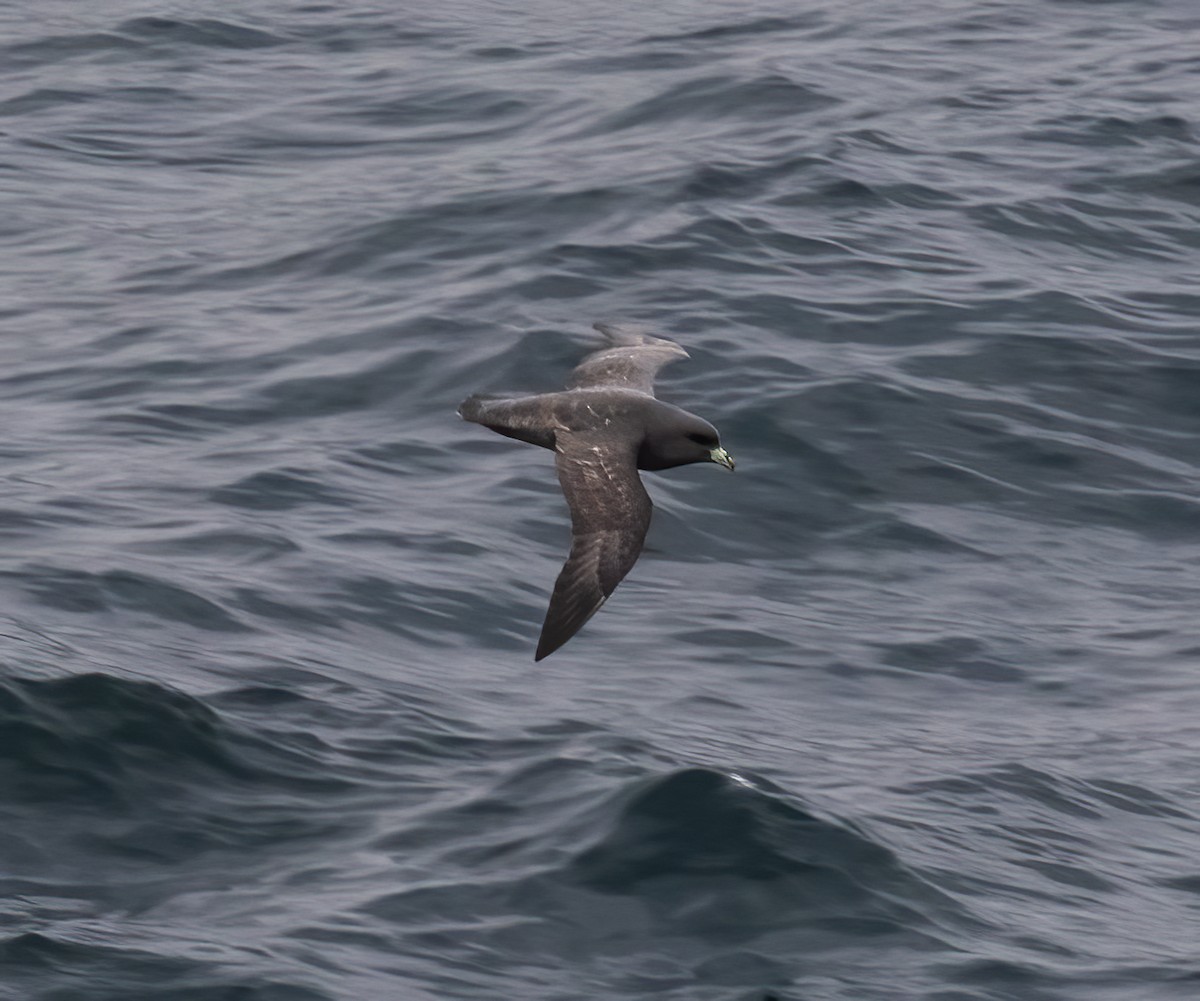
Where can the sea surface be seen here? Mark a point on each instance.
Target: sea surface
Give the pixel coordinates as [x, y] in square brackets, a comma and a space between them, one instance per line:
[905, 709]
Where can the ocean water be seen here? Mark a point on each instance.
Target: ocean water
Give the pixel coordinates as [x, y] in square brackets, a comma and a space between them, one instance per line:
[906, 708]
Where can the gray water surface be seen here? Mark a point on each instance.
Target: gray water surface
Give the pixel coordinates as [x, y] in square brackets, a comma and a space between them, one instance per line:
[906, 708]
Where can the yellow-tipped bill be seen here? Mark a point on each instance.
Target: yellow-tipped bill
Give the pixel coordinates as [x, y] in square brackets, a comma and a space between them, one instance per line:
[721, 458]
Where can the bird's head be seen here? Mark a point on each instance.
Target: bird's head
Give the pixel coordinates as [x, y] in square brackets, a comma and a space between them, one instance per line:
[681, 440]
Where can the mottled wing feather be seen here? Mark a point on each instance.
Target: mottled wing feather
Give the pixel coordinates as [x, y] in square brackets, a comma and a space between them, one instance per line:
[631, 362]
[610, 513]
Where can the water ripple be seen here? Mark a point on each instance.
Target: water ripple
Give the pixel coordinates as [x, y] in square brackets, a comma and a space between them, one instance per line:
[904, 708]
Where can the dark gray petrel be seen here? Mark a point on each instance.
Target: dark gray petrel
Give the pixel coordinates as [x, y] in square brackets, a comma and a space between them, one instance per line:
[603, 428]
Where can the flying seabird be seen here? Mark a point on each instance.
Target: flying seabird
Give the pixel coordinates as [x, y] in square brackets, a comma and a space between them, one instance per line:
[603, 428]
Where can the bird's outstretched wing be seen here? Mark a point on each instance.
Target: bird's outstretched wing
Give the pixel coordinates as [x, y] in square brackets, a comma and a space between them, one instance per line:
[631, 362]
[610, 512]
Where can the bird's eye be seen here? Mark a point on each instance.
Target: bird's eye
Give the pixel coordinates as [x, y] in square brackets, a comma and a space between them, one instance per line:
[703, 439]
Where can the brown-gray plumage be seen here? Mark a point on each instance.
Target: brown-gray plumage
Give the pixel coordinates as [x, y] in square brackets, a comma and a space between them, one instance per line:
[604, 427]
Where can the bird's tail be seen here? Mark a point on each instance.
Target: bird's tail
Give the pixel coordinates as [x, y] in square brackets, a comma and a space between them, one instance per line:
[471, 409]
[528, 418]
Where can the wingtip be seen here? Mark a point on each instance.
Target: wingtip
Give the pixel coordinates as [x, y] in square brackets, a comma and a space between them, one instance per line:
[633, 335]
[547, 646]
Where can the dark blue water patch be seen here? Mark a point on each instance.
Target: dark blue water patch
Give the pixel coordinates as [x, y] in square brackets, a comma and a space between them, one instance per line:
[113, 374]
[141, 729]
[509, 821]
[719, 180]
[661, 58]
[418, 239]
[59, 48]
[719, 853]
[446, 106]
[1188, 884]
[290, 610]
[280, 490]
[105, 742]
[1000, 978]
[16, 522]
[732, 29]
[758, 98]
[899, 534]
[84, 592]
[957, 656]
[42, 99]
[1176, 183]
[1132, 798]
[692, 856]
[156, 795]
[206, 32]
[731, 639]
[1112, 130]
[230, 547]
[1152, 513]
[430, 612]
[50, 968]
[1078, 224]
